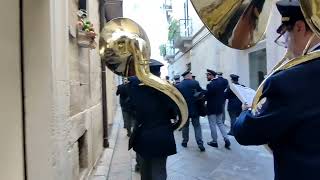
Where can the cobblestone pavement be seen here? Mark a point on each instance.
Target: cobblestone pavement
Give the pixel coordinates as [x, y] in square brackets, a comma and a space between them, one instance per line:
[239, 163]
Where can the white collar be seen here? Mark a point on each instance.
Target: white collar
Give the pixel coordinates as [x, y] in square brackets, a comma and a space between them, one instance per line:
[314, 47]
[214, 78]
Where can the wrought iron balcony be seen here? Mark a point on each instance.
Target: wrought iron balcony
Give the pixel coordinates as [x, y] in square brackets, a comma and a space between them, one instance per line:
[184, 40]
[167, 6]
[168, 51]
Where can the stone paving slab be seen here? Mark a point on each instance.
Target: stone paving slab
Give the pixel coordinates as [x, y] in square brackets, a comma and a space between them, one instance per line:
[102, 168]
[239, 163]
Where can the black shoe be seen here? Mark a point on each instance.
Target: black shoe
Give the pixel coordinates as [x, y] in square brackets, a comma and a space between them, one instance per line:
[184, 144]
[213, 144]
[137, 168]
[227, 144]
[202, 149]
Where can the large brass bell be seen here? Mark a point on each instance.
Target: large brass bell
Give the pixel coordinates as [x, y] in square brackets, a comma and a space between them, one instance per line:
[125, 48]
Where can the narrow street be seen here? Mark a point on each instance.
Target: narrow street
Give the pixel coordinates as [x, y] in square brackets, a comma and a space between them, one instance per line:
[239, 163]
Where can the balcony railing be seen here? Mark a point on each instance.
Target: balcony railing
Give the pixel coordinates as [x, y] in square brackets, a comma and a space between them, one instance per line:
[185, 27]
[167, 5]
[184, 40]
[168, 51]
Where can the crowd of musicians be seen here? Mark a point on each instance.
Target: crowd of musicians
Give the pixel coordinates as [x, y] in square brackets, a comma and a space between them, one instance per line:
[287, 117]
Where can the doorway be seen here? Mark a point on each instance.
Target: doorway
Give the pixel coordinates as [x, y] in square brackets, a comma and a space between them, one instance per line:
[257, 67]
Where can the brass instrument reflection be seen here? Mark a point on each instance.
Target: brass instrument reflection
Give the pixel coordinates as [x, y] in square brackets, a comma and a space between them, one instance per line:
[125, 48]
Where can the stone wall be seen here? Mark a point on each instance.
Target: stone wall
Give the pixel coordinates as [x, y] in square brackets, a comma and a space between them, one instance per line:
[86, 131]
[64, 129]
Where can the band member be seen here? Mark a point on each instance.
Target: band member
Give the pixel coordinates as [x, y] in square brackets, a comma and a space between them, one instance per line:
[234, 104]
[226, 83]
[126, 107]
[188, 87]
[215, 100]
[288, 114]
[152, 138]
[176, 79]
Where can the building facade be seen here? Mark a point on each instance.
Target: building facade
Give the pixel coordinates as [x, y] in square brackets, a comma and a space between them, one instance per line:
[52, 103]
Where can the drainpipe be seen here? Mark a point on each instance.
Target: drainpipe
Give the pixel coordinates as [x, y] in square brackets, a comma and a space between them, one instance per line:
[104, 105]
[22, 90]
[103, 82]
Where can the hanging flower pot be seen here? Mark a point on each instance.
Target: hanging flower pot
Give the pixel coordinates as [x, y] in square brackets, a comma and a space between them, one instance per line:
[85, 39]
[85, 32]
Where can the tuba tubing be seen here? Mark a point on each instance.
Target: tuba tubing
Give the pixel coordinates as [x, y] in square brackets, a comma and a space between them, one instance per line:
[143, 73]
[125, 47]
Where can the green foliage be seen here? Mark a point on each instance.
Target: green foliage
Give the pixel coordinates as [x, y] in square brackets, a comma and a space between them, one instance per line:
[173, 30]
[163, 50]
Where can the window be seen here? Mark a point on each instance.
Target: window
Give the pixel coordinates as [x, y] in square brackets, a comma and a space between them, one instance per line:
[188, 66]
[83, 153]
[83, 4]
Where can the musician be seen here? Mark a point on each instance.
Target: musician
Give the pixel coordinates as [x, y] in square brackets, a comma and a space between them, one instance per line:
[226, 83]
[215, 100]
[188, 87]
[126, 107]
[288, 113]
[152, 138]
[234, 104]
[176, 79]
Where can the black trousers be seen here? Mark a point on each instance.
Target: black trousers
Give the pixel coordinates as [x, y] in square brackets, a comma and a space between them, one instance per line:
[233, 116]
[153, 168]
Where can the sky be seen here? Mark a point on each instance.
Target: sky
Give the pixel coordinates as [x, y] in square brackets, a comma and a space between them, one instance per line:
[150, 16]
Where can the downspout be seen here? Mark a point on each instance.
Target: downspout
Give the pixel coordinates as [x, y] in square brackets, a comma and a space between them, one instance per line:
[103, 83]
[23, 91]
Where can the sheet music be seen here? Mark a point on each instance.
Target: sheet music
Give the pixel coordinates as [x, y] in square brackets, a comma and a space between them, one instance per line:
[245, 94]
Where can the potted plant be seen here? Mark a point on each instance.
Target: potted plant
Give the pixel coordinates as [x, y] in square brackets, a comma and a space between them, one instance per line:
[85, 31]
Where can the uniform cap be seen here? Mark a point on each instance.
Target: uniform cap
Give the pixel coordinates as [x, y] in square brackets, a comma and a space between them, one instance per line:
[176, 77]
[185, 73]
[290, 11]
[212, 72]
[155, 66]
[234, 77]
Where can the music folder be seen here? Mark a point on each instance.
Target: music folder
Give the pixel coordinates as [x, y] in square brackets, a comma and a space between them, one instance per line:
[245, 94]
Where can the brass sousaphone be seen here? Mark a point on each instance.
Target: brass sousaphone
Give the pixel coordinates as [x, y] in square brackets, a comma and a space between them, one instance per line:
[241, 24]
[125, 48]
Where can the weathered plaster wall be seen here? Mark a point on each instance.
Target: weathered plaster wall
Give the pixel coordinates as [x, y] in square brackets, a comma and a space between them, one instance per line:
[11, 151]
[63, 92]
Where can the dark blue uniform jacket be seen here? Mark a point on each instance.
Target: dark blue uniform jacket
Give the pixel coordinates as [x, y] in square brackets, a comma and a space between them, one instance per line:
[288, 120]
[188, 87]
[215, 96]
[234, 104]
[225, 82]
[122, 90]
[154, 111]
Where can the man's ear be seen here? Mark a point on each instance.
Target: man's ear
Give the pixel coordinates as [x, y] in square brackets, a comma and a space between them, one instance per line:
[301, 26]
